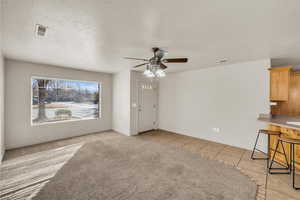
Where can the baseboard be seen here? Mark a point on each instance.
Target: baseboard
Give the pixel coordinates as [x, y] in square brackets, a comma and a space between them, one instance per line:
[202, 139]
[60, 139]
[120, 132]
[147, 131]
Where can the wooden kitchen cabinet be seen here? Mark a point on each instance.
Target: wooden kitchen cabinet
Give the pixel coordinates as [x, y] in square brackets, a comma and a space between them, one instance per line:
[292, 106]
[279, 83]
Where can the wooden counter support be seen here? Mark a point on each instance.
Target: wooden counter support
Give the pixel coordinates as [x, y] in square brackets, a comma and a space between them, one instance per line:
[286, 133]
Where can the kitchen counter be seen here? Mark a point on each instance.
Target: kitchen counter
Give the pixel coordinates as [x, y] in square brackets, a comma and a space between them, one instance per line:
[280, 121]
[287, 130]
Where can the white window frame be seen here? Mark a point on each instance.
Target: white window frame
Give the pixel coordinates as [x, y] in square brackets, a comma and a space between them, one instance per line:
[64, 121]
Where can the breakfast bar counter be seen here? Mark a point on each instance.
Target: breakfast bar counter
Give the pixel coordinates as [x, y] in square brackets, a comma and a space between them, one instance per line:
[289, 128]
[283, 121]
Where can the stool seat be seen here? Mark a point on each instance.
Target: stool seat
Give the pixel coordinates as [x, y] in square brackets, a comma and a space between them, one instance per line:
[269, 132]
[290, 140]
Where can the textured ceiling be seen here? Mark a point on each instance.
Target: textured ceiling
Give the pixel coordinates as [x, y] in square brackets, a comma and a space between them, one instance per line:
[96, 34]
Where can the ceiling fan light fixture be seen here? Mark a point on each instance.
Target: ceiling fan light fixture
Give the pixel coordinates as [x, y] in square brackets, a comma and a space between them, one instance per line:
[154, 71]
[150, 75]
[155, 65]
[160, 73]
[146, 72]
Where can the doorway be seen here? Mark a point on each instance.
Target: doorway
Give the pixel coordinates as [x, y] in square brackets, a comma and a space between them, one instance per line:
[147, 105]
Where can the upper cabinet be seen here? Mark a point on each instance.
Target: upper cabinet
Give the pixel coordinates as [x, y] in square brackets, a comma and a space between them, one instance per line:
[279, 83]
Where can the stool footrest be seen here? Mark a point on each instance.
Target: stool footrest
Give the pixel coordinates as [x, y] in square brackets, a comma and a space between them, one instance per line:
[258, 158]
[279, 173]
[261, 151]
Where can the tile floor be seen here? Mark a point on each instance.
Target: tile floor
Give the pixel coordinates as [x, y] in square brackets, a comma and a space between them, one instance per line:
[271, 187]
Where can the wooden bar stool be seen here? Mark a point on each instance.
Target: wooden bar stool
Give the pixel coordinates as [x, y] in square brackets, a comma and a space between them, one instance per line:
[268, 133]
[291, 163]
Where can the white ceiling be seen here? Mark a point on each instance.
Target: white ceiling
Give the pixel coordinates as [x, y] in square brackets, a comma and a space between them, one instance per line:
[96, 34]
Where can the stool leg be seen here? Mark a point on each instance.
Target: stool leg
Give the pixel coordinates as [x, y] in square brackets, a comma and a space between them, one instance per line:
[285, 156]
[294, 169]
[273, 160]
[268, 152]
[273, 157]
[291, 158]
[254, 148]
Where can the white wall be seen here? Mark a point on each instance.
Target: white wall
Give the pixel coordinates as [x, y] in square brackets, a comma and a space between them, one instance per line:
[121, 102]
[18, 129]
[2, 147]
[134, 78]
[228, 97]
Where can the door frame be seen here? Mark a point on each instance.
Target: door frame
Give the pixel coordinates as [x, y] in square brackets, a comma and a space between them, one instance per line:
[136, 77]
[140, 83]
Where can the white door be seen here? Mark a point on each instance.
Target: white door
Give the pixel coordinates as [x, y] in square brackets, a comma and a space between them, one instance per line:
[147, 102]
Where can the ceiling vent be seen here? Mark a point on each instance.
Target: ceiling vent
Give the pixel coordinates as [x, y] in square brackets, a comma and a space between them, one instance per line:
[222, 61]
[40, 30]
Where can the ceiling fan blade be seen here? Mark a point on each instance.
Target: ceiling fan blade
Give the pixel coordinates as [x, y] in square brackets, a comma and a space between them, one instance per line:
[140, 65]
[136, 58]
[163, 66]
[175, 60]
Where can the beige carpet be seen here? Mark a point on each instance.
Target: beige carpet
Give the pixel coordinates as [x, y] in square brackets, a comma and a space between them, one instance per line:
[135, 169]
[23, 177]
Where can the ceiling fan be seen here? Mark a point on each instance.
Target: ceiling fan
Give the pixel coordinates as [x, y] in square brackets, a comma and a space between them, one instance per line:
[155, 65]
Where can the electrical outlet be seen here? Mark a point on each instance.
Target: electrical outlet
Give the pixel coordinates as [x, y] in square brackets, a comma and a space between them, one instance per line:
[217, 130]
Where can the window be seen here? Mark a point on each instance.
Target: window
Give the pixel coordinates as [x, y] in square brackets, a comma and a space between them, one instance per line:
[55, 100]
